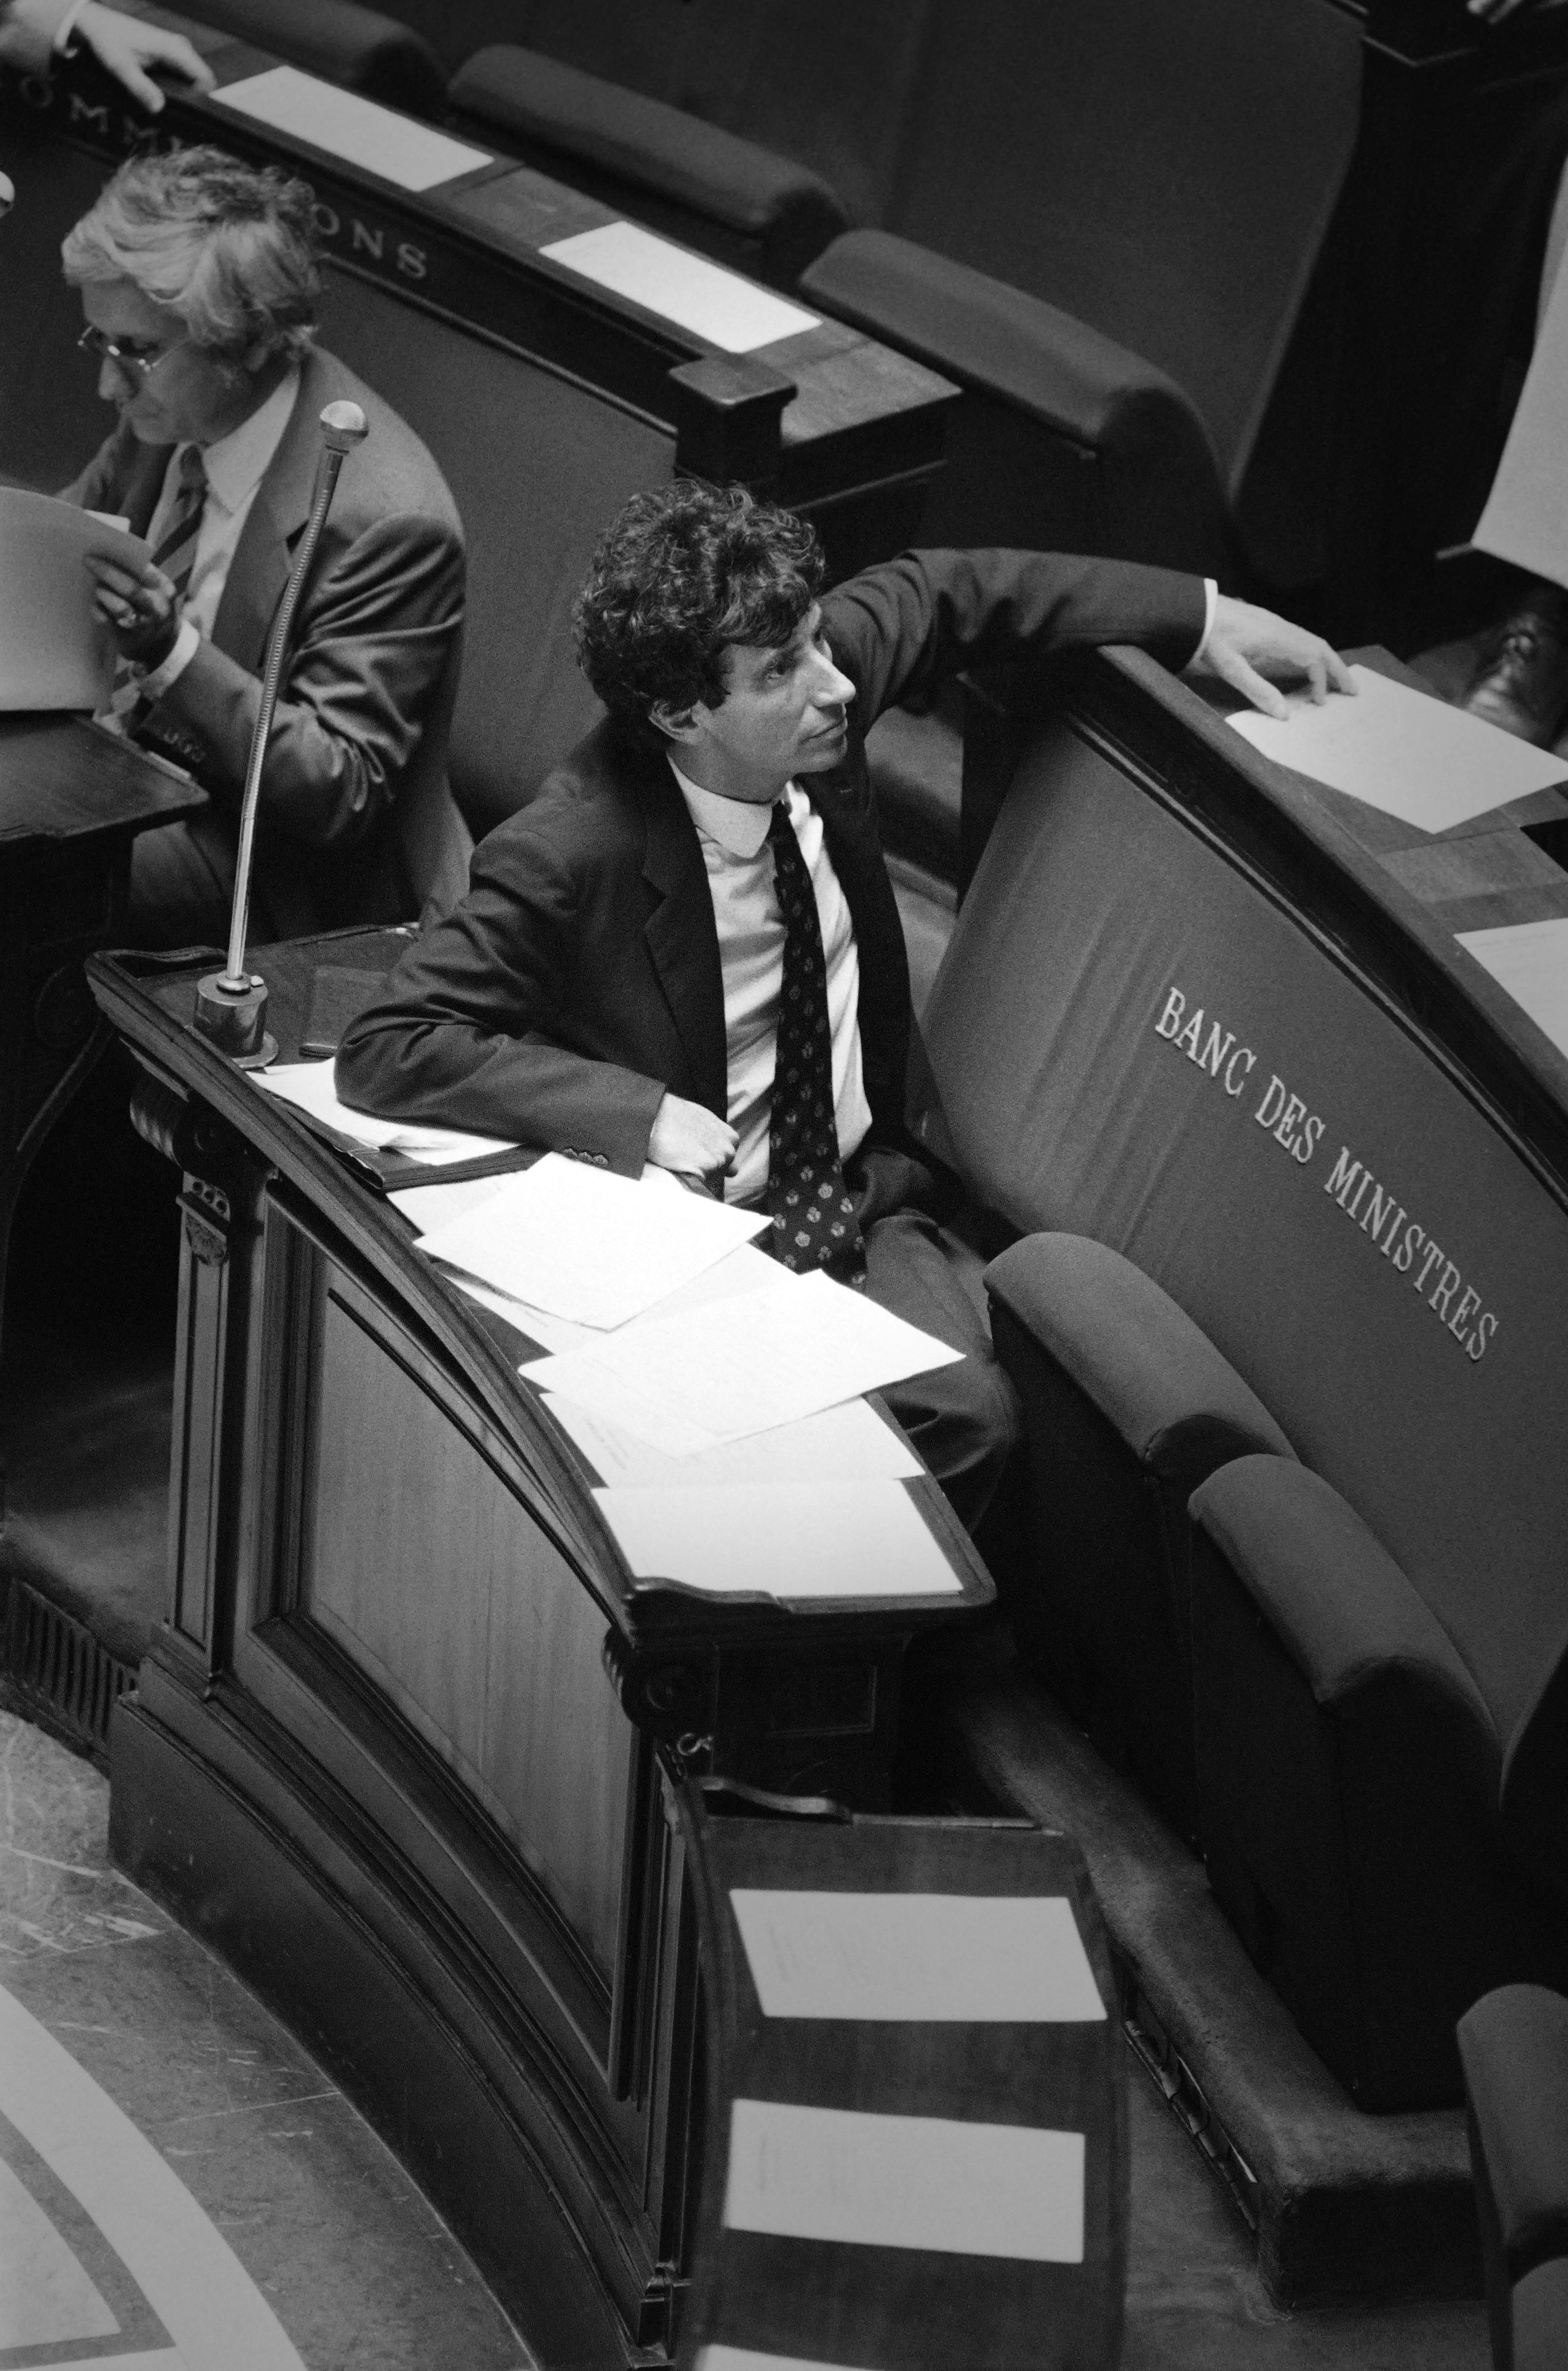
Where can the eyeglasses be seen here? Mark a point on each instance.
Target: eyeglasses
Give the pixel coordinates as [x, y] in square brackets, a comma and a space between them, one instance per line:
[93, 342]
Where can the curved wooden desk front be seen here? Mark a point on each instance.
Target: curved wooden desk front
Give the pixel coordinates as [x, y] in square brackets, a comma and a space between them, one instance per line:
[394, 1752]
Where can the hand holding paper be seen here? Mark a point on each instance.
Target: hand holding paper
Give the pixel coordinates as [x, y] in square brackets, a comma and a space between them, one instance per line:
[55, 652]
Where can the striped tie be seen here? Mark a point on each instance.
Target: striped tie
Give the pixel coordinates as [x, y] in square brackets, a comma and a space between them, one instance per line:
[175, 554]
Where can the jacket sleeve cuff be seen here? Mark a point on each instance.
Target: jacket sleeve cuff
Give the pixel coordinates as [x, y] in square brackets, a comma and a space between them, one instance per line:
[1211, 600]
[159, 679]
[65, 31]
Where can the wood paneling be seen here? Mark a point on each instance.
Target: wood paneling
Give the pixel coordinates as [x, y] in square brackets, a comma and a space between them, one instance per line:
[430, 1573]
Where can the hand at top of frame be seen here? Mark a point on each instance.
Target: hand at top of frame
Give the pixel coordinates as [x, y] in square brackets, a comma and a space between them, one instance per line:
[126, 48]
[1252, 650]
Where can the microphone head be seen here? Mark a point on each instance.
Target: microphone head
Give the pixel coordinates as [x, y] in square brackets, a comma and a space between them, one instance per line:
[344, 425]
[8, 195]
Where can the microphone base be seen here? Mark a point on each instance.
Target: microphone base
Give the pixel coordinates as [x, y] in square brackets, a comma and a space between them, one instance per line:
[234, 1020]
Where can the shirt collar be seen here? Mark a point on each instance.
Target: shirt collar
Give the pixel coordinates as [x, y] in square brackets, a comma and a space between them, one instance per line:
[737, 825]
[236, 463]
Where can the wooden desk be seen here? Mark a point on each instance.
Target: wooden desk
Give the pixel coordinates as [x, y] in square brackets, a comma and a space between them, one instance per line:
[394, 1751]
[72, 801]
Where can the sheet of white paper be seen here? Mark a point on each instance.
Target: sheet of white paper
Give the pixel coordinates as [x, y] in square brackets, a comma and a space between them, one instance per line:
[905, 2182]
[53, 652]
[743, 1364]
[731, 313]
[1525, 517]
[587, 1245]
[1412, 756]
[839, 1444]
[949, 1958]
[785, 1540]
[1531, 960]
[427, 1206]
[309, 1087]
[746, 2359]
[356, 129]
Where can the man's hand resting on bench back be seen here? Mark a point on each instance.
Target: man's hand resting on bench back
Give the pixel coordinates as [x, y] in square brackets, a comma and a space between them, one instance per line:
[1245, 646]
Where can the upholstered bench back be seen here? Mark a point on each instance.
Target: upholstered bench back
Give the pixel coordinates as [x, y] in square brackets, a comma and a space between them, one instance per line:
[1133, 1041]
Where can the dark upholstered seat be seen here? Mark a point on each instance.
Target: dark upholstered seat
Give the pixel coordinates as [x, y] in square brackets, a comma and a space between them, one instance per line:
[1128, 1406]
[1348, 1782]
[1160, 181]
[356, 48]
[1514, 2049]
[1065, 438]
[763, 213]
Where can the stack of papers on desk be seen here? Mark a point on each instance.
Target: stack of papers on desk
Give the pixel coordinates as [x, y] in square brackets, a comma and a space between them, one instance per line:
[813, 1539]
[585, 1245]
[717, 1396]
[308, 1086]
[1403, 751]
[742, 1365]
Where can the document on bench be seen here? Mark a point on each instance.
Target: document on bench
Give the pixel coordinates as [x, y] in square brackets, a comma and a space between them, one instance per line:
[355, 129]
[584, 1243]
[739, 1271]
[782, 1539]
[743, 1364]
[731, 313]
[961, 1958]
[1402, 751]
[309, 1087]
[1531, 960]
[54, 651]
[847, 1443]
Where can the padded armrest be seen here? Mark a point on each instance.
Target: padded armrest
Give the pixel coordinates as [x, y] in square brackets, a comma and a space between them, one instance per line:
[1338, 1603]
[357, 48]
[1514, 2051]
[649, 145]
[990, 336]
[1152, 1373]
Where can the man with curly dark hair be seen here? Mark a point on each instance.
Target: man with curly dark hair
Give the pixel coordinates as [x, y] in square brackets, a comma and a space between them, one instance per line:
[198, 284]
[686, 949]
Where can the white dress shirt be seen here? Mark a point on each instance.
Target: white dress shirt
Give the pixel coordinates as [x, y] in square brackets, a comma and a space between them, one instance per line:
[236, 466]
[733, 837]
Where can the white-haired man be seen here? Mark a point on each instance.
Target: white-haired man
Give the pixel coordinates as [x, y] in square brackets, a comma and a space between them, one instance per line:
[198, 284]
[33, 32]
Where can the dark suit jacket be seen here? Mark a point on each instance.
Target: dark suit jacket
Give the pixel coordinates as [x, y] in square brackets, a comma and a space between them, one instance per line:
[367, 698]
[579, 978]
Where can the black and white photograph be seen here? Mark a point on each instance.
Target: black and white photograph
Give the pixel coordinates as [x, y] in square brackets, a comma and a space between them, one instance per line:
[784, 1185]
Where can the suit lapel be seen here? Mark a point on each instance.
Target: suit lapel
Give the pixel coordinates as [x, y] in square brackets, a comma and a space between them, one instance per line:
[259, 569]
[683, 941]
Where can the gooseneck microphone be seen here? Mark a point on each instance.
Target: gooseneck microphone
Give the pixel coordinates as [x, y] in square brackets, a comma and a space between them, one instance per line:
[231, 1004]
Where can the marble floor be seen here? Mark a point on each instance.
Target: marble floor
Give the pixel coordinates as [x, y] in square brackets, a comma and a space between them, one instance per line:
[181, 2189]
[180, 2185]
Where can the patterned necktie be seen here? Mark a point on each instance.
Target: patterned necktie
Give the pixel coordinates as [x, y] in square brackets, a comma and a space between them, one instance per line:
[813, 1217]
[176, 555]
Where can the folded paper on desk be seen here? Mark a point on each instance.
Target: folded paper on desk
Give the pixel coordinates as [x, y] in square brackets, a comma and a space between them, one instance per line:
[586, 1244]
[309, 1087]
[743, 1364]
[1531, 960]
[54, 653]
[1402, 751]
[784, 1539]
